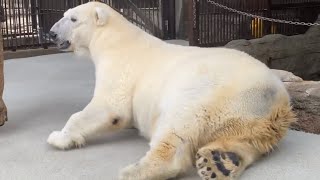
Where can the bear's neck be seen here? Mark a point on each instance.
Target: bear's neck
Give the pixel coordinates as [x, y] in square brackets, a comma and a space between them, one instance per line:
[122, 39]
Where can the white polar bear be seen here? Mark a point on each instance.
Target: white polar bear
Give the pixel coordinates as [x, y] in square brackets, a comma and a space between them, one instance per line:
[215, 108]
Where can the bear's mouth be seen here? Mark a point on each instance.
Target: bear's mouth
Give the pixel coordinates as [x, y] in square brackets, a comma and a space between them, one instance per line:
[64, 45]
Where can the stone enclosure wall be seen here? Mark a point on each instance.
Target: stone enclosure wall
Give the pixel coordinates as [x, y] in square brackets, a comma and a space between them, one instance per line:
[299, 54]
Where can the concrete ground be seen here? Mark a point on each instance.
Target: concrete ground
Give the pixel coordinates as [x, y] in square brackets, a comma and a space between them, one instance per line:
[42, 92]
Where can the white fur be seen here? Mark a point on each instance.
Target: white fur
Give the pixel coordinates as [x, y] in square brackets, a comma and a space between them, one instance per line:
[158, 88]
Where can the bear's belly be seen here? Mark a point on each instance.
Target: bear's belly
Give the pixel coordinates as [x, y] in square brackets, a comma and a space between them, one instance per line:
[146, 110]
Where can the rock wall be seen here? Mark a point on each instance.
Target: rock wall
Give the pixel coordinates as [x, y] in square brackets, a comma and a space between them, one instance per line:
[305, 99]
[299, 54]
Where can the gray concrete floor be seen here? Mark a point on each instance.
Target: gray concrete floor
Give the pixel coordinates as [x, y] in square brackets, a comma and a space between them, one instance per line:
[42, 92]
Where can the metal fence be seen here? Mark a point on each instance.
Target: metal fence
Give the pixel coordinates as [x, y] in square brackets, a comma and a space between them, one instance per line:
[28, 21]
[214, 26]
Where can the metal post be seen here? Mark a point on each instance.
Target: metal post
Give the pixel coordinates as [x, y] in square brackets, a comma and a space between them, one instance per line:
[193, 22]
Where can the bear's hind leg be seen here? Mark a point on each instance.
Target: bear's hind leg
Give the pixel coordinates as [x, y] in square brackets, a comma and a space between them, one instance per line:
[241, 143]
[166, 159]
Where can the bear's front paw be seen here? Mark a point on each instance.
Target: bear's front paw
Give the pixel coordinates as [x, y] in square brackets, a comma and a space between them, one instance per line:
[131, 172]
[62, 140]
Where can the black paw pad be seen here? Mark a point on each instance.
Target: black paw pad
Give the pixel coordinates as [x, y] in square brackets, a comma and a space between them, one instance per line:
[234, 158]
[215, 155]
[222, 168]
[213, 175]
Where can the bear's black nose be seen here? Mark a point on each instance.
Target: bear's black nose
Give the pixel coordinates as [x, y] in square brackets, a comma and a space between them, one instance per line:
[53, 36]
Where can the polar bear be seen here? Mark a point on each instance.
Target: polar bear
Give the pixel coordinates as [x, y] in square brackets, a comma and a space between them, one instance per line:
[214, 108]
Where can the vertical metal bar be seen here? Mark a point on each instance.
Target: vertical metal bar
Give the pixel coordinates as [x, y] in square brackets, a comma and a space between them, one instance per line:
[26, 8]
[141, 6]
[44, 16]
[192, 18]
[203, 11]
[11, 9]
[10, 25]
[143, 10]
[172, 19]
[160, 19]
[20, 24]
[210, 23]
[23, 24]
[224, 25]
[228, 34]
[199, 23]
[227, 26]
[163, 18]
[146, 5]
[206, 4]
[215, 35]
[15, 23]
[219, 26]
[202, 23]
[216, 24]
[255, 21]
[41, 15]
[232, 21]
[131, 12]
[134, 16]
[196, 20]
[6, 39]
[243, 29]
[152, 7]
[239, 21]
[33, 31]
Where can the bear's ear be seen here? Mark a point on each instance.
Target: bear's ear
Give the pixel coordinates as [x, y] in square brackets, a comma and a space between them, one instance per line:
[101, 16]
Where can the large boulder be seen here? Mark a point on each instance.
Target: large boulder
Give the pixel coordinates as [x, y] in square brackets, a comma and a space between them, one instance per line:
[299, 54]
[305, 98]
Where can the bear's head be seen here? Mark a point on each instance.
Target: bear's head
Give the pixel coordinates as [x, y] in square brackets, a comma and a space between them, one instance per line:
[77, 26]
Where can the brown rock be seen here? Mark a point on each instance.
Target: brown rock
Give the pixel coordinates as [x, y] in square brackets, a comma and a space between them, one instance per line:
[305, 97]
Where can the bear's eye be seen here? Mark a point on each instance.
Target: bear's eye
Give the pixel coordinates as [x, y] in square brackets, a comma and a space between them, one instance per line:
[73, 19]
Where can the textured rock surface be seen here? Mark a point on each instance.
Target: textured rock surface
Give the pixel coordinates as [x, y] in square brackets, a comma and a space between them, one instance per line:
[286, 76]
[306, 103]
[305, 97]
[299, 54]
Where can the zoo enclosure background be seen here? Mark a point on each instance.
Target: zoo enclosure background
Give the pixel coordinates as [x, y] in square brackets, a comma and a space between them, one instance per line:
[28, 21]
[214, 26]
